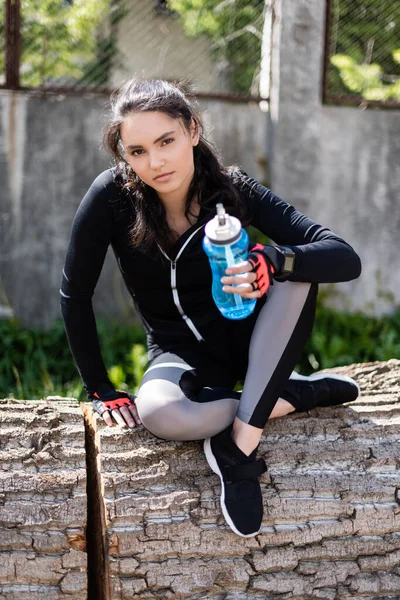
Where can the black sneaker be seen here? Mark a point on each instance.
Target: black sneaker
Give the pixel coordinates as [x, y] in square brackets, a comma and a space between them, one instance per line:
[325, 389]
[241, 499]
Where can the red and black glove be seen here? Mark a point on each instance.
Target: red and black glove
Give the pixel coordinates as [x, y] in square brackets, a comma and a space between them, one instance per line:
[108, 399]
[267, 262]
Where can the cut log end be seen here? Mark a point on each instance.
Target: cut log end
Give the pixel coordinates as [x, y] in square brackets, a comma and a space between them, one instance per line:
[43, 501]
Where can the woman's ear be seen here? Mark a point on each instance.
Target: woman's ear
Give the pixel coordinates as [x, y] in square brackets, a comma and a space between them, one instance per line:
[194, 132]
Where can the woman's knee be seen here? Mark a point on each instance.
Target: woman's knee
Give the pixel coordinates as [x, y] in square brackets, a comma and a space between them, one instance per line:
[163, 409]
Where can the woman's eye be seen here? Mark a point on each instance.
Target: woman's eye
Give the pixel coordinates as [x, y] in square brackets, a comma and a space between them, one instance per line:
[136, 152]
[167, 141]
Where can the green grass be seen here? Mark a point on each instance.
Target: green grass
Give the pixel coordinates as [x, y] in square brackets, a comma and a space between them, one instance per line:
[35, 363]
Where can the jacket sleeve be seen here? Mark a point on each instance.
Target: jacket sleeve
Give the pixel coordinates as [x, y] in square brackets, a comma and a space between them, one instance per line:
[87, 248]
[320, 255]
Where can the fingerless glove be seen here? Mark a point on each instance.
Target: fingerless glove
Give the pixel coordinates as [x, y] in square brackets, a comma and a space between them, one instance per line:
[108, 399]
[266, 262]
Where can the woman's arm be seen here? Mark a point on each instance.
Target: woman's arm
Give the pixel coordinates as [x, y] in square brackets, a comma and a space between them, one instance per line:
[90, 238]
[320, 255]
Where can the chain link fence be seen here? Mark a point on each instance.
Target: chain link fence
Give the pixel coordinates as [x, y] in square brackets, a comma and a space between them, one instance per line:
[77, 45]
[214, 45]
[362, 54]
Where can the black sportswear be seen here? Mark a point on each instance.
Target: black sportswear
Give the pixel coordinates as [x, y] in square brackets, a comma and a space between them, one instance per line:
[305, 392]
[172, 293]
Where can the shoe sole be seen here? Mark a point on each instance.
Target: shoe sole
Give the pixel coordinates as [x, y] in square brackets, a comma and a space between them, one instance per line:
[295, 375]
[214, 466]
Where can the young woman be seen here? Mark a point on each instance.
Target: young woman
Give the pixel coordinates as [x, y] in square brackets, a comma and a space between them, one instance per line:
[152, 208]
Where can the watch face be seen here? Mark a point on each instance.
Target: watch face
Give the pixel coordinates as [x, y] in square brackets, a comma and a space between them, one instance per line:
[289, 264]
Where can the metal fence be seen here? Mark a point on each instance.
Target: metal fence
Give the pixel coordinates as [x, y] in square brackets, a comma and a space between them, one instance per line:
[362, 52]
[80, 45]
[215, 45]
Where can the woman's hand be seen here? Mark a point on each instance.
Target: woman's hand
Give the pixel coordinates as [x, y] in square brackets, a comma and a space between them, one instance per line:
[241, 279]
[114, 404]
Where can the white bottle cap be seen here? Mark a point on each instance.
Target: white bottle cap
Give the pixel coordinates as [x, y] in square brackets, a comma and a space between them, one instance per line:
[223, 229]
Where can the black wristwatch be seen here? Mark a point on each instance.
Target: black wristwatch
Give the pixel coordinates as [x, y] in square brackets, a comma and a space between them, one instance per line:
[288, 263]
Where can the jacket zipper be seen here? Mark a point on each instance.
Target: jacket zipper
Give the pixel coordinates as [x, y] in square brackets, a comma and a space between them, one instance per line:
[174, 289]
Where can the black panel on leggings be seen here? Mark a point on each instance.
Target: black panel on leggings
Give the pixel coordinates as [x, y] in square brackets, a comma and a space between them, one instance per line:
[287, 361]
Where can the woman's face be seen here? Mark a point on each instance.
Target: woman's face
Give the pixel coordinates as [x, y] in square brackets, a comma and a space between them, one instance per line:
[160, 151]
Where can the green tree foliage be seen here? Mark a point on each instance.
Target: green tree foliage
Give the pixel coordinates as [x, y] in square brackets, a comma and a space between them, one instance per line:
[365, 48]
[366, 80]
[65, 41]
[36, 363]
[235, 29]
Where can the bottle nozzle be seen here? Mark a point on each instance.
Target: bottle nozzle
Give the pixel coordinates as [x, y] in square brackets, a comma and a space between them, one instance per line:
[223, 229]
[221, 215]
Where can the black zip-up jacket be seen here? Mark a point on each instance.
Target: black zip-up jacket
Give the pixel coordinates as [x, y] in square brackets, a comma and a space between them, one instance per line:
[172, 293]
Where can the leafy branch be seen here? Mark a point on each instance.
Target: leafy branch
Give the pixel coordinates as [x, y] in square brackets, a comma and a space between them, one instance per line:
[368, 80]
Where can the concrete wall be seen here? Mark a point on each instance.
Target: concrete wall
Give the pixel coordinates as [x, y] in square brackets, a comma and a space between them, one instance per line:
[339, 165]
[49, 155]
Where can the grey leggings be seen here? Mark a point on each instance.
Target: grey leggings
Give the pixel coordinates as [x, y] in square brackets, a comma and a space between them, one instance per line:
[282, 327]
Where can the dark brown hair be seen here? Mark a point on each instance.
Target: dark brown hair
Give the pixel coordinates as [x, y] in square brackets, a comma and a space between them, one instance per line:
[211, 183]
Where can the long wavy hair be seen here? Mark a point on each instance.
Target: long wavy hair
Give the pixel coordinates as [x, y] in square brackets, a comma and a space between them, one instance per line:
[211, 183]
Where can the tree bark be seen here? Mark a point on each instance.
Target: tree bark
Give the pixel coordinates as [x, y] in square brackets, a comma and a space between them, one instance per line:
[331, 503]
[154, 525]
[42, 501]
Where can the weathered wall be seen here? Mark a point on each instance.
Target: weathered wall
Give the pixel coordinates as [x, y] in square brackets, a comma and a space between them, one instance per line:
[338, 164]
[49, 155]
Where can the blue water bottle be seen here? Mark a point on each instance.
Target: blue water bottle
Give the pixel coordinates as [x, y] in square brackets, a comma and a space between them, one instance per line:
[226, 244]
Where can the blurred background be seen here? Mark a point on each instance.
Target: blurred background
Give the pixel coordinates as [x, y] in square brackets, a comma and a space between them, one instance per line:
[305, 96]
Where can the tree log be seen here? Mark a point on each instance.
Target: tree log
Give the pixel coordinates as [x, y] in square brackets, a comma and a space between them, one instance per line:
[43, 504]
[331, 503]
[147, 510]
